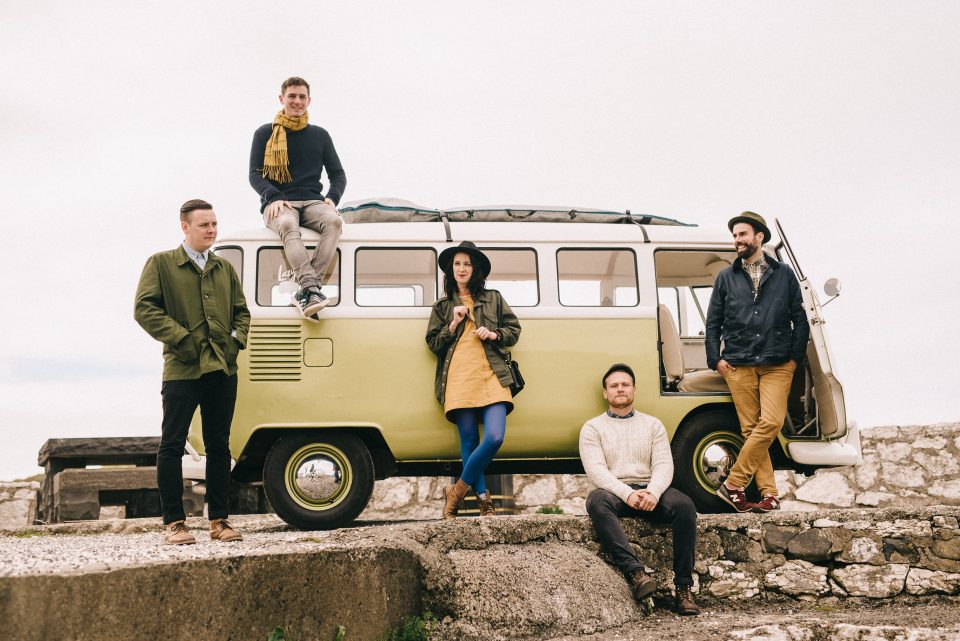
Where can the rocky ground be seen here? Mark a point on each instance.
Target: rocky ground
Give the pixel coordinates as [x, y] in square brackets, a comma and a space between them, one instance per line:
[522, 577]
[937, 619]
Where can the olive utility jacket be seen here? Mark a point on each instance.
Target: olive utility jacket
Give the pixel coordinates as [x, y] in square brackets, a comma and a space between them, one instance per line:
[768, 330]
[193, 313]
[490, 311]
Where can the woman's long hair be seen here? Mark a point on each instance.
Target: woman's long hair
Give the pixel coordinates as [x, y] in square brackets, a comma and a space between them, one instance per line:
[477, 280]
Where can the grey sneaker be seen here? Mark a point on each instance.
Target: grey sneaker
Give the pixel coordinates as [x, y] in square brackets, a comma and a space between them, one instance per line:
[311, 301]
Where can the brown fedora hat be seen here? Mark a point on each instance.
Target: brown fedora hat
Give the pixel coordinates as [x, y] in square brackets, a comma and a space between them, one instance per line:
[466, 247]
[755, 220]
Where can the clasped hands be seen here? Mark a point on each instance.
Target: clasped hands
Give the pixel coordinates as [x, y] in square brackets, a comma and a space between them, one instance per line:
[459, 313]
[642, 500]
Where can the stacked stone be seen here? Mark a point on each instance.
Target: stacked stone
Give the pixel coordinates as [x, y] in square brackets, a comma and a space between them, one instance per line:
[18, 503]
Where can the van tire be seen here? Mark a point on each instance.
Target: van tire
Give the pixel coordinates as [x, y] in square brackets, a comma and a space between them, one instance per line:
[331, 499]
[714, 431]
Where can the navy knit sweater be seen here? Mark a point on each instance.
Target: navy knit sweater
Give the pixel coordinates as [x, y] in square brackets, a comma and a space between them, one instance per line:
[310, 151]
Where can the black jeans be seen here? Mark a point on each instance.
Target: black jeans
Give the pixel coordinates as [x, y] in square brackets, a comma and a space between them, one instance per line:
[216, 394]
[605, 509]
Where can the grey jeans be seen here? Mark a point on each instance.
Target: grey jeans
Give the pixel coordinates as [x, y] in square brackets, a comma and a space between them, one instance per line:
[318, 216]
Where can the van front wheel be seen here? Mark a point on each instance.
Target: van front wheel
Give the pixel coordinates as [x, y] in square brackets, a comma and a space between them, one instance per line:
[704, 450]
[318, 481]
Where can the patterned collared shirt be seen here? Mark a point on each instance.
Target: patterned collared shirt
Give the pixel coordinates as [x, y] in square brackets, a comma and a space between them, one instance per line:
[755, 271]
[612, 415]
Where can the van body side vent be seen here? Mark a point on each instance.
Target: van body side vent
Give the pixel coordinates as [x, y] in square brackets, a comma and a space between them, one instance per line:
[276, 352]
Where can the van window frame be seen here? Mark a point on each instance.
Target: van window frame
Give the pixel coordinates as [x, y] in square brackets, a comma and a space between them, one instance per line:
[242, 258]
[256, 286]
[636, 274]
[356, 274]
[536, 269]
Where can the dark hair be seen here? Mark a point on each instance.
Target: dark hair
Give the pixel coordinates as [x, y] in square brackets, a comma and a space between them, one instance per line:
[189, 206]
[477, 282]
[618, 367]
[294, 81]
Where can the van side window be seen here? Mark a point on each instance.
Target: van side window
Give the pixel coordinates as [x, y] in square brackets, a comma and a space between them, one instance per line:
[514, 274]
[597, 277]
[276, 284]
[234, 256]
[396, 277]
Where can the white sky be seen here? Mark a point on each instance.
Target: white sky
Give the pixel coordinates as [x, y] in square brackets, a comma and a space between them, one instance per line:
[841, 119]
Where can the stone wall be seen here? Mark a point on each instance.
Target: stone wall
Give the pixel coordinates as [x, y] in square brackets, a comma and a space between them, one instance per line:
[490, 579]
[909, 466]
[18, 503]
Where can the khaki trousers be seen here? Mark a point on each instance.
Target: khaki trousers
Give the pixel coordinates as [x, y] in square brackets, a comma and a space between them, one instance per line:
[760, 395]
[318, 216]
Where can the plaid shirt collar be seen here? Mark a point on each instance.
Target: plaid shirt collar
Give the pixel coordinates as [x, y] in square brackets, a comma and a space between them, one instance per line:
[612, 415]
[755, 271]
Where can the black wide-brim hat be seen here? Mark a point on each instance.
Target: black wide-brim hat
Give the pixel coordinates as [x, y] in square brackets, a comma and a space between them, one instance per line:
[466, 247]
[754, 220]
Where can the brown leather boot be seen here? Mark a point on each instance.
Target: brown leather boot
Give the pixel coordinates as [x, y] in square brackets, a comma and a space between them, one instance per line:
[220, 530]
[642, 585]
[486, 506]
[684, 601]
[454, 496]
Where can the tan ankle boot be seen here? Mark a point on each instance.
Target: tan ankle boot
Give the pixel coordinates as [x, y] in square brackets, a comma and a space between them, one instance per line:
[454, 496]
[486, 506]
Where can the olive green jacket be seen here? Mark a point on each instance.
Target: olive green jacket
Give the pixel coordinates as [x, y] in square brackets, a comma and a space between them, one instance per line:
[193, 313]
[490, 311]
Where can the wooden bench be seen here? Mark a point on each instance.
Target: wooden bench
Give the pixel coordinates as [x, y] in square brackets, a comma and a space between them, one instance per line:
[71, 491]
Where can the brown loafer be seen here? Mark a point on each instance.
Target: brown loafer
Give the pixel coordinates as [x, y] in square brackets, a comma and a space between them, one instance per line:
[176, 533]
[220, 530]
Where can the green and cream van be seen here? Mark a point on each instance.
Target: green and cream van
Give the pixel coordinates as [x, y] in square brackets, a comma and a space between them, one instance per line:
[325, 409]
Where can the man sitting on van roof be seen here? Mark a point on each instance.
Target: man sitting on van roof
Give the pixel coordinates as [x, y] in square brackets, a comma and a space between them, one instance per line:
[286, 161]
[627, 458]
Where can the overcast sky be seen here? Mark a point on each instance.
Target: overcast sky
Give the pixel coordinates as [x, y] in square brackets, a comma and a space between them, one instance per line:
[840, 119]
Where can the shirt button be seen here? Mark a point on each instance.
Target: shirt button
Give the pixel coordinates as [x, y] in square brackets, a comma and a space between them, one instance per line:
[206, 295]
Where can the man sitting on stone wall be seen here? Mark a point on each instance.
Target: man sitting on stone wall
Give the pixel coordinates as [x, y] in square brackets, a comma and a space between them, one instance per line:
[627, 458]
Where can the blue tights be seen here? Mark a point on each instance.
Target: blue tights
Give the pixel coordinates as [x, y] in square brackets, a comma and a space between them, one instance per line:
[477, 455]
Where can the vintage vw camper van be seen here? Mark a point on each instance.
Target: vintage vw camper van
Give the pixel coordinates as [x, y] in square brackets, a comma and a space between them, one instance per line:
[326, 408]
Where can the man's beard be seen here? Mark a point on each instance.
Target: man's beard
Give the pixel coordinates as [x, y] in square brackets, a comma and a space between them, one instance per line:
[747, 250]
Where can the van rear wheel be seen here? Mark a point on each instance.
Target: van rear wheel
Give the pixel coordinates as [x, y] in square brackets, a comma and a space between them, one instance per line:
[704, 450]
[318, 481]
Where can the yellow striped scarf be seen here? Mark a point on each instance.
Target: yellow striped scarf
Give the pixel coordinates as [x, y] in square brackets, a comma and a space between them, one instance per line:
[276, 162]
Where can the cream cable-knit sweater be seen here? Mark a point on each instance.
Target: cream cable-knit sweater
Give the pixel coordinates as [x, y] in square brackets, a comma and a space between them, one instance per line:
[617, 451]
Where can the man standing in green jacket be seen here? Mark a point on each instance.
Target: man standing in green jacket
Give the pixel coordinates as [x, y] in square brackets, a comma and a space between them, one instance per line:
[191, 300]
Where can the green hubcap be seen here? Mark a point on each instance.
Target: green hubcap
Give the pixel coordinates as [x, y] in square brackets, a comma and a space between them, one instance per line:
[714, 457]
[318, 476]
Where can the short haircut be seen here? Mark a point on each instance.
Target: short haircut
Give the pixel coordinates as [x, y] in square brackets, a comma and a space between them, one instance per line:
[188, 207]
[294, 81]
[618, 367]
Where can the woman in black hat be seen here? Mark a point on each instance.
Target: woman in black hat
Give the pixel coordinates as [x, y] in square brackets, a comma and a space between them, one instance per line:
[469, 330]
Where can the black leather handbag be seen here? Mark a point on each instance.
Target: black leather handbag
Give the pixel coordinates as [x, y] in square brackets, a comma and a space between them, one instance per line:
[517, 386]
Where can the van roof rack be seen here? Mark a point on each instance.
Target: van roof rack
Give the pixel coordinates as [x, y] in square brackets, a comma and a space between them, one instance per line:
[396, 210]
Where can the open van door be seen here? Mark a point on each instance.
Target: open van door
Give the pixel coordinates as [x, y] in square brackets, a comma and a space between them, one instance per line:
[827, 391]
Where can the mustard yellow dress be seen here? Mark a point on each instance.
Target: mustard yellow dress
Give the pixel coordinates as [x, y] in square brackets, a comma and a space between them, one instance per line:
[470, 379]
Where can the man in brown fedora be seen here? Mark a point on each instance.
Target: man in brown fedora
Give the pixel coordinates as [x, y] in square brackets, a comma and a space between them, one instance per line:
[757, 311]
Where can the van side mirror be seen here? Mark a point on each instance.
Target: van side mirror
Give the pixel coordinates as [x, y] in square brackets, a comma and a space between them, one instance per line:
[832, 289]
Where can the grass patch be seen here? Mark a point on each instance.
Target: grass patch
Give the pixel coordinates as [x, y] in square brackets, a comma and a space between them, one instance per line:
[413, 629]
[550, 509]
[29, 534]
